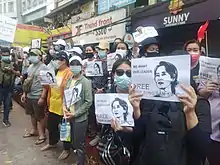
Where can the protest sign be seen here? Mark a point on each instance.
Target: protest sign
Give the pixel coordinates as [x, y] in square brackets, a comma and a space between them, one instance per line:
[7, 28]
[94, 68]
[36, 44]
[113, 106]
[144, 32]
[72, 95]
[47, 77]
[159, 78]
[209, 69]
[111, 58]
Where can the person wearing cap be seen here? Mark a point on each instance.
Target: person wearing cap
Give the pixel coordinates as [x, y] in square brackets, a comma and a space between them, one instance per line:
[59, 45]
[55, 102]
[149, 48]
[77, 113]
[33, 109]
[8, 72]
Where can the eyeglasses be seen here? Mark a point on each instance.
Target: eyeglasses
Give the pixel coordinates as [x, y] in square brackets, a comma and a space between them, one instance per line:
[121, 72]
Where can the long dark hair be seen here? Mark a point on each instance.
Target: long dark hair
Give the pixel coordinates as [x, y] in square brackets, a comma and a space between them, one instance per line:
[124, 106]
[172, 71]
[97, 65]
[129, 53]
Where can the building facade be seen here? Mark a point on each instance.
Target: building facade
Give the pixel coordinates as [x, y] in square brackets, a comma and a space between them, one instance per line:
[9, 8]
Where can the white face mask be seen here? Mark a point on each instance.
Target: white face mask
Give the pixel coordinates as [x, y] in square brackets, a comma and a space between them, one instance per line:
[123, 53]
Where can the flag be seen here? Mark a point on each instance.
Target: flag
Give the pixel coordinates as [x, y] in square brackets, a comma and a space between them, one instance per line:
[201, 31]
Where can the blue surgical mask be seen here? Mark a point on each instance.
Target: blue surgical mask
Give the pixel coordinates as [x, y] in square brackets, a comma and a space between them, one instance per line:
[122, 82]
[75, 69]
[102, 54]
[34, 59]
[6, 59]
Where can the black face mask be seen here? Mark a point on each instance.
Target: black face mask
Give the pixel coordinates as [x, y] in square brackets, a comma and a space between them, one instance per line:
[152, 54]
[90, 55]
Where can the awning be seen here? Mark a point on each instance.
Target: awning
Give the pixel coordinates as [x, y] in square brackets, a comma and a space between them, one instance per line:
[176, 12]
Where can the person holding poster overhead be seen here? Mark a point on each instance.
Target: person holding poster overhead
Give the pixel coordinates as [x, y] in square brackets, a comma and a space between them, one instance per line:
[122, 78]
[55, 94]
[77, 113]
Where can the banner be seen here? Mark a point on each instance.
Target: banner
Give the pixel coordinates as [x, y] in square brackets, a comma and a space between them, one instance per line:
[99, 28]
[209, 69]
[158, 78]
[94, 69]
[113, 106]
[7, 28]
[106, 5]
[47, 77]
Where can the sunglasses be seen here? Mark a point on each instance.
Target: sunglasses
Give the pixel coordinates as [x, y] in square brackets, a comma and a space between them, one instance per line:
[121, 72]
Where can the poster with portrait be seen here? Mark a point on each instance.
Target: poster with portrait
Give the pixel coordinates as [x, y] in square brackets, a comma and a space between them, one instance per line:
[113, 106]
[94, 68]
[209, 69]
[72, 95]
[47, 77]
[111, 58]
[159, 78]
[36, 43]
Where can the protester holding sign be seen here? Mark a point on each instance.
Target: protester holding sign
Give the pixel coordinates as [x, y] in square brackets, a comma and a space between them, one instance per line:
[149, 47]
[55, 102]
[123, 49]
[122, 78]
[77, 113]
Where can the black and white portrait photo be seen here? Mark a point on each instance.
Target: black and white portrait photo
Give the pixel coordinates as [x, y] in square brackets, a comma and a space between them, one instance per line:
[160, 78]
[97, 69]
[47, 77]
[50, 77]
[94, 68]
[166, 79]
[36, 43]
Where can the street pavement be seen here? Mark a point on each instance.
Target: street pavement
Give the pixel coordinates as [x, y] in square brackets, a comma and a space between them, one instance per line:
[15, 150]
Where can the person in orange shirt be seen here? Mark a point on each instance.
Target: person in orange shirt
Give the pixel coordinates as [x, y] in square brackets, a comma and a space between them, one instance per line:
[55, 102]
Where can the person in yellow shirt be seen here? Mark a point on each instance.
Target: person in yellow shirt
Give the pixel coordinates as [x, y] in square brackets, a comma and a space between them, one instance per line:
[55, 101]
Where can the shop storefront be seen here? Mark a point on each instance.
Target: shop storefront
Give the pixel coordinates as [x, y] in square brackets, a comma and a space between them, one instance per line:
[179, 20]
[104, 27]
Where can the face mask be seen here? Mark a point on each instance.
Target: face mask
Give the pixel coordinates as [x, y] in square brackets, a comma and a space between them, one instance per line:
[102, 54]
[122, 82]
[90, 55]
[56, 48]
[151, 54]
[55, 64]
[6, 59]
[194, 59]
[121, 52]
[75, 69]
[34, 59]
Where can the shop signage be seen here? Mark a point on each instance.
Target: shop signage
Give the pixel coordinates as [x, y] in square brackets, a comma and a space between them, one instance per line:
[177, 18]
[100, 28]
[106, 5]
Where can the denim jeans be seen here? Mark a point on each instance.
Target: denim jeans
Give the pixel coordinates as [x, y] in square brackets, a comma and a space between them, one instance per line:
[6, 96]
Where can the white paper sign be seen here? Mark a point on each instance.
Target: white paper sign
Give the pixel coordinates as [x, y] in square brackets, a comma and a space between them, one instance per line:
[36, 43]
[113, 106]
[145, 32]
[94, 68]
[7, 28]
[209, 69]
[72, 95]
[99, 28]
[159, 77]
[47, 77]
[111, 58]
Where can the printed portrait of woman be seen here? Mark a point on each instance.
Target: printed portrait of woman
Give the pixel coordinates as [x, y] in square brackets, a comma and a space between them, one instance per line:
[50, 77]
[97, 69]
[120, 110]
[165, 77]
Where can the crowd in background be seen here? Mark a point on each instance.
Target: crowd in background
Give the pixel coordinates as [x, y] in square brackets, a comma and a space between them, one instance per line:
[195, 135]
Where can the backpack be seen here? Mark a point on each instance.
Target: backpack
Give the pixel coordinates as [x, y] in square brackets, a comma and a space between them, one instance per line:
[111, 149]
[164, 136]
[6, 78]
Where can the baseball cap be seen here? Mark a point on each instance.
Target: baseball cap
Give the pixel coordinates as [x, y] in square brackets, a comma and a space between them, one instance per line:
[103, 45]
[62, 55]
[37, 52]
[76, 58]
[76, 49]
[60, 42]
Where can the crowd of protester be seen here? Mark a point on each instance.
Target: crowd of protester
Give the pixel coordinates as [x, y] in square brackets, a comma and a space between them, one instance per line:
[192, 134]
